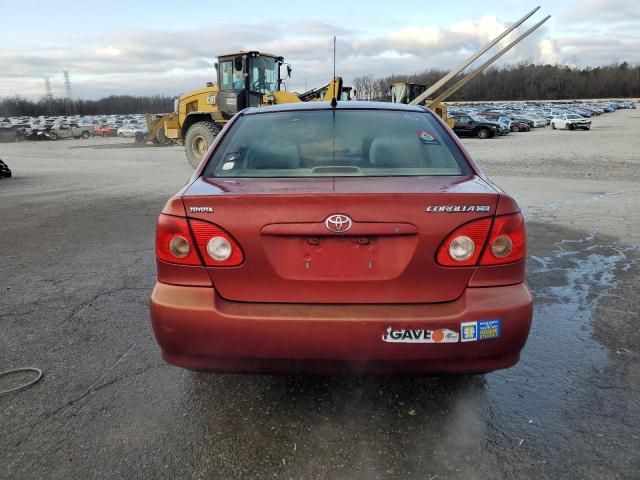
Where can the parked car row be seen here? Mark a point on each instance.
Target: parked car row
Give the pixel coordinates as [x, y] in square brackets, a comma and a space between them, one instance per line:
[54, 128]
[482, 120]
[486, 120]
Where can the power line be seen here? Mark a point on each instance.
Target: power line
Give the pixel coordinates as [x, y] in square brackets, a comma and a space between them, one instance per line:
[67, 83]
[67, 88]
[48, 94]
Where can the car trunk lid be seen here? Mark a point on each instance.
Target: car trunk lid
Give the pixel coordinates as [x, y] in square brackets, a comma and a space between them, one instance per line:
[293, 252]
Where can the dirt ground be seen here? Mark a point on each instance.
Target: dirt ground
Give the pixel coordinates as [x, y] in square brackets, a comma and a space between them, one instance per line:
[77, 266]
[609, 151]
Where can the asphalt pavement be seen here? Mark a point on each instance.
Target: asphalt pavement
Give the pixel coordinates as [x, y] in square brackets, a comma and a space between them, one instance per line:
[76, 269]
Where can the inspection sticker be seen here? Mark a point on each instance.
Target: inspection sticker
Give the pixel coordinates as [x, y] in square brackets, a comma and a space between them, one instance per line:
[427, 137]
[442, 335]
[481, 330]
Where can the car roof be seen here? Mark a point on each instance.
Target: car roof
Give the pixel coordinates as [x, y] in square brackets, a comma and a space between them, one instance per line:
[344, 105]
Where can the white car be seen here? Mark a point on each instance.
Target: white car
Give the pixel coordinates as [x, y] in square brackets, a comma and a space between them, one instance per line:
[130, 130]
[538, 122]
[570, 121]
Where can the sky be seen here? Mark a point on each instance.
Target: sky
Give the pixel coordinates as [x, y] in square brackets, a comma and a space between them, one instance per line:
[145, 47]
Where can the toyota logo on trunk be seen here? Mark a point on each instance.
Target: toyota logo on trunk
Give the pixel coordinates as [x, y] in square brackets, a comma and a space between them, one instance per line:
[338, 223]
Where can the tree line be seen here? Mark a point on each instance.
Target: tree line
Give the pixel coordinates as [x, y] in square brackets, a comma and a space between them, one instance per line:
[525, 81]
[115, 104]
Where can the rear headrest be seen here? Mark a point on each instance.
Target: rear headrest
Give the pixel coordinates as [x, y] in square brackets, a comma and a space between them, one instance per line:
[279, 157]
[396, 152]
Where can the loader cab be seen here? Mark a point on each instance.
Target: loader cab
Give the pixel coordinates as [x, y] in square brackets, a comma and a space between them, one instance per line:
[325, 94]
[245, 78]
[347, 94]
[403, 92]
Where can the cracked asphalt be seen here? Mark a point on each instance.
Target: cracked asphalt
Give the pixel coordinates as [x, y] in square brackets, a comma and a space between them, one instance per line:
[77, 266]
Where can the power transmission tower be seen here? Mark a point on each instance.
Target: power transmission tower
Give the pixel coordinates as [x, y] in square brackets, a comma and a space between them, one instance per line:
[68, 105]
[48, 95]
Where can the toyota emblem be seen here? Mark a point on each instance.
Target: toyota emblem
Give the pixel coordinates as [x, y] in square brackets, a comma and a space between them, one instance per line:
[338, 223]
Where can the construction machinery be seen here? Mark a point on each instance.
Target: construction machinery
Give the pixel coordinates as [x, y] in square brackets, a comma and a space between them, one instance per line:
[253, 78]
[245, 79]
[404, 92]
[415, 94]
[325, 93]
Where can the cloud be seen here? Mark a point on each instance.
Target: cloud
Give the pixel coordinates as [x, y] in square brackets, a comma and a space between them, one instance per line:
[107, 52]
[603, 12]
[599, 50]
[548, 49]
[147, 61]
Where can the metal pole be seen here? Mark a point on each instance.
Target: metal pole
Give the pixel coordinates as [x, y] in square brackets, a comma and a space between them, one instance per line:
[453, 89]
[436, 86]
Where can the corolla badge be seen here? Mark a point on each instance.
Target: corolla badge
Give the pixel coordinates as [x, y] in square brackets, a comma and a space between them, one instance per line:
[458, 208]
[338, 223]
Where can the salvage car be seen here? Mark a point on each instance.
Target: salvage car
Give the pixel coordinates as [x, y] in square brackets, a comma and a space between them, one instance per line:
[105, 130]
[354, 237]
[502, 124]
[5, 171]
[468, 126]
[512, 125]
[24, 131]
[570, 121]
[130, 130]
[66, 130]
[81, 131]
[518, 126]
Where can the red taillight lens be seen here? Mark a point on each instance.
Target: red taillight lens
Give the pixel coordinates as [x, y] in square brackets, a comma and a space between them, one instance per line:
[174, 243]
[217, 247]
[463, 247]
[507, 242]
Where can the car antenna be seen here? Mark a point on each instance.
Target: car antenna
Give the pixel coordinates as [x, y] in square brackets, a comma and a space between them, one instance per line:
[334, 101]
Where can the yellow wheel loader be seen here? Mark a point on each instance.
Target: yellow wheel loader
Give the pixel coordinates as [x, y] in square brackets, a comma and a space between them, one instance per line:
[245, 79]
[405, 92]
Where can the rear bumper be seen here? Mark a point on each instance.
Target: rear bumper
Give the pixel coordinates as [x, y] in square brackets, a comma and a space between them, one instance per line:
[195, 328]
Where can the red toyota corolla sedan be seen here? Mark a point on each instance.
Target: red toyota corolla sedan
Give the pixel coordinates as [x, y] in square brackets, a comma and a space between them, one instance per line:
[356, 238]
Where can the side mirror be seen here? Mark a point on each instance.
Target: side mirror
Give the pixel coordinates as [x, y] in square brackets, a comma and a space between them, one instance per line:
[216, 65]
[289, 71]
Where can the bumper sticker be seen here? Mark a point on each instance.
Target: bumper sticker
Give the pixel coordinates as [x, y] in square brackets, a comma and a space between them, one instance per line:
[442, 335]
[481, 330]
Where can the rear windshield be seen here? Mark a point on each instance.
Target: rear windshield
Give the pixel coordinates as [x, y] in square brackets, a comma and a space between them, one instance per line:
[337, 142]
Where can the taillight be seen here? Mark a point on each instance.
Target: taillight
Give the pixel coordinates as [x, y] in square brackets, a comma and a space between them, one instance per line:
[174, 243]
[507, 242]
[463, 247]
[217, 247]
